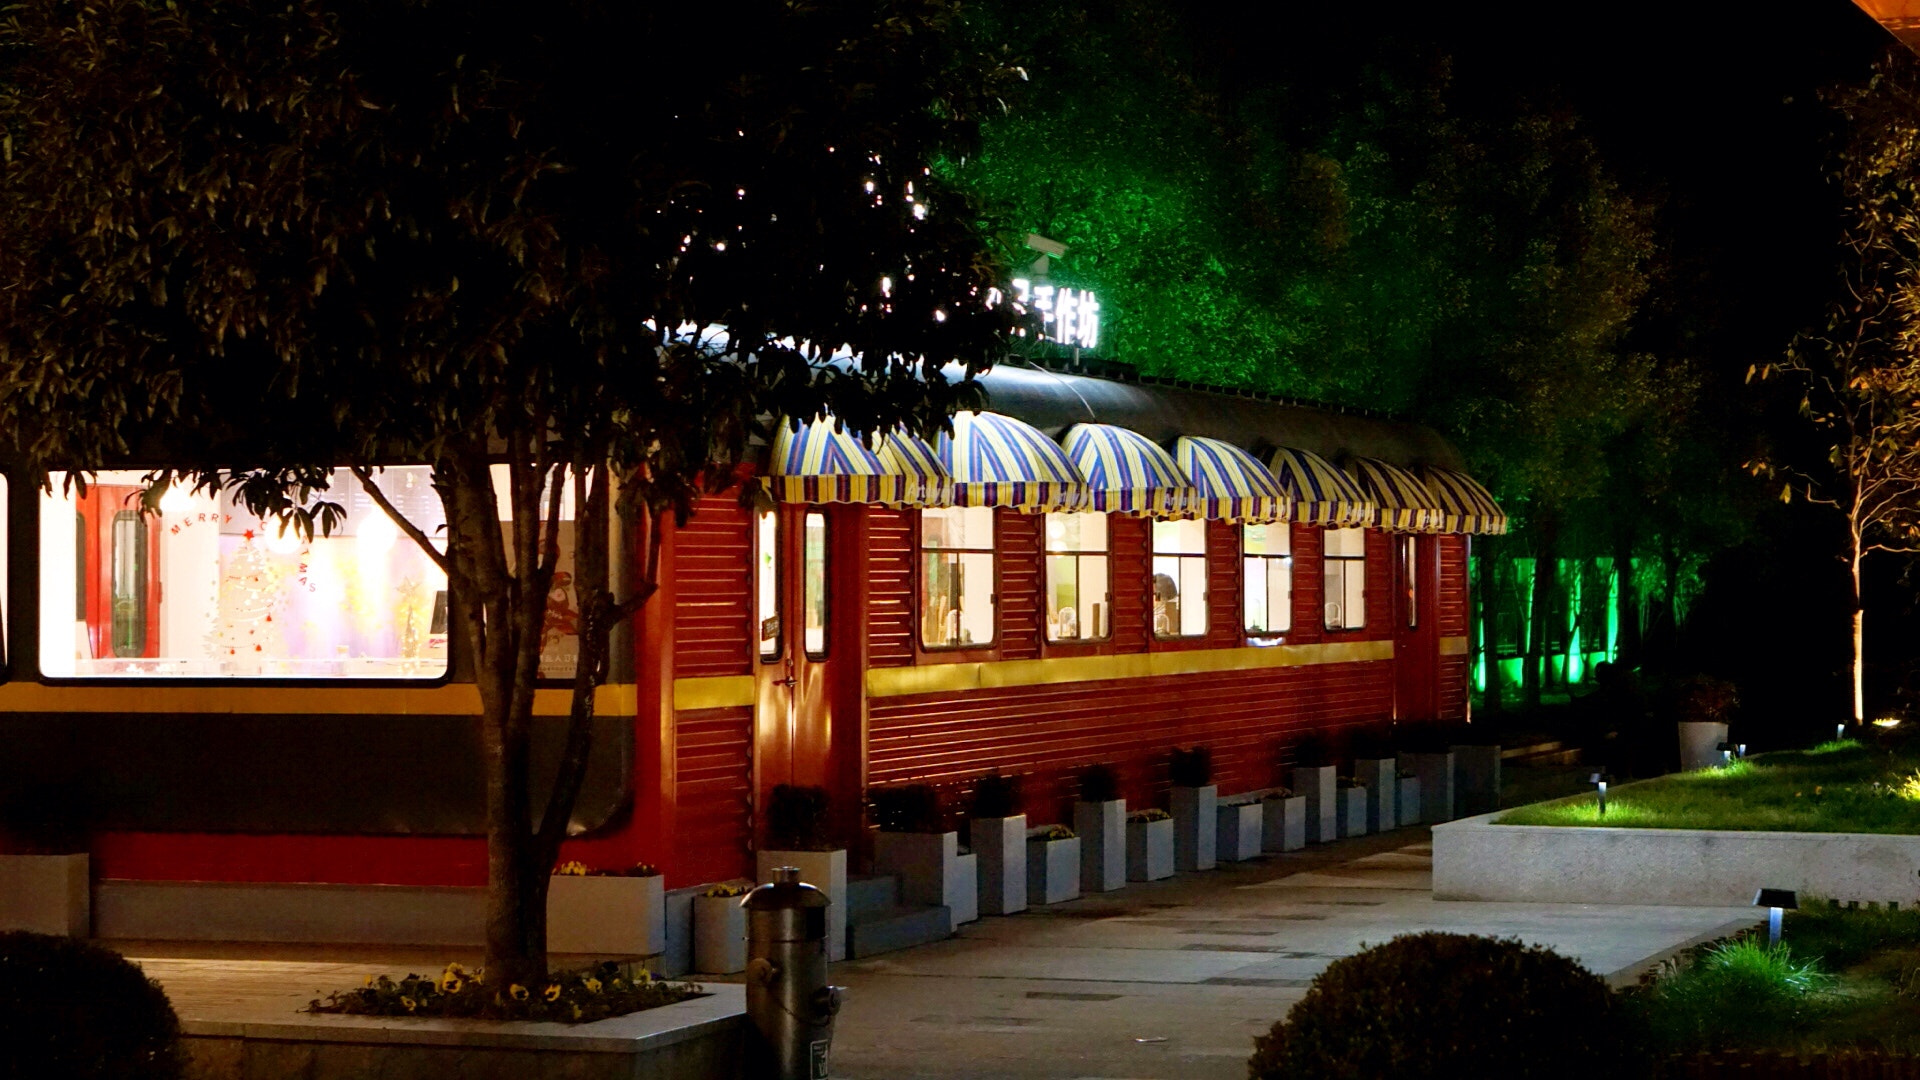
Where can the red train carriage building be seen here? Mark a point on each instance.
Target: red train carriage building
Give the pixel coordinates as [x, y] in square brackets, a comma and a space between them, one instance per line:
[1094, 571]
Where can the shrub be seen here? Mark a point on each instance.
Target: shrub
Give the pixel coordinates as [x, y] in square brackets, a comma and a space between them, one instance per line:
[1148, 816]
[996, 796]
[1448, 1005]
[1192, 767]
[909, 808]
[797, 819]
[1742, 994]
[77, 1011]
[1099, 783]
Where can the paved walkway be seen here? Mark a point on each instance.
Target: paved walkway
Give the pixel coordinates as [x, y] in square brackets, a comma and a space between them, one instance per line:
[1169, 979]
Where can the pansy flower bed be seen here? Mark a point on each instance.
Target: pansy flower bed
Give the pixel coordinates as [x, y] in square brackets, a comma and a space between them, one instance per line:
[579, 996]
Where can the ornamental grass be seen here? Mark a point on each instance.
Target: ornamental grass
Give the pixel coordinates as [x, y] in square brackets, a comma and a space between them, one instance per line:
[579, 996]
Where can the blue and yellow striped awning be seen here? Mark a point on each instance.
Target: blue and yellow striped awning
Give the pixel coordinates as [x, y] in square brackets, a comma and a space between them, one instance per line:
[814, 463]
[1128, 473]
[1402, 503]
[1318, 493]
[1232, 484]
[1467, 506]
[995, 460]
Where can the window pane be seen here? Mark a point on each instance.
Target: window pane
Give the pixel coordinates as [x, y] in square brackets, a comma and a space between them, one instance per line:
[1409, 572]
[767, 582]
[956, 599]
[1279, 595]
[1095, 602]
[1334, 589]
[204, 589]
[1076, 532]
[815, 584]
[1063, 597]
[956, 527]
[1193, 597]
[1187, 537]
[1179, 596]
[1347, 542]
[1254, 599]
[1356, 601]
[1274, 539]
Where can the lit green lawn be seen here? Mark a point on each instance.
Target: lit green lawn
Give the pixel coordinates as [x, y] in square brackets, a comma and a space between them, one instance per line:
[1835, 787]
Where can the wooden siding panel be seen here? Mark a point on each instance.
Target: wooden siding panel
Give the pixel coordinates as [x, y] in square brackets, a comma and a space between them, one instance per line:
[1309, 616]
[1017, 550]
[1380, 558]
[889, 587]
[713, 591]
[1129, 537]
[1223, 586]
[713, 823]
[1455, 671]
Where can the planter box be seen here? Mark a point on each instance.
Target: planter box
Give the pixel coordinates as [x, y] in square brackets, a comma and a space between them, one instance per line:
[966, 900]
[1700, 744]
[1379, 776]
[1285, 824]
[1476, 860]
[719, 935]
[617, 916]
[1194, 824]
[1237, 834]
[677, 960]
[824, 870]
[1476, 779]
[1149, 850]
[1435, 772]
[1001, 846]
[1319, 785]
[1103, 844]
[1353, 811]
[1053, 870]
[47, 894]
[1407, 806]
[928, 866]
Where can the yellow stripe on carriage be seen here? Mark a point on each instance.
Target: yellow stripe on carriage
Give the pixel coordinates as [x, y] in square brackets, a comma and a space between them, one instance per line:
[950, 678]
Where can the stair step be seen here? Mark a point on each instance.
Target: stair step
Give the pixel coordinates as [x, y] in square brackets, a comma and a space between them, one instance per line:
[897, 928]
[871, 894]
[1508, 753]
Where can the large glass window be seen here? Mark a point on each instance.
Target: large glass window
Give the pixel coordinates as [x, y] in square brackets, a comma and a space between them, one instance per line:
[560, 631]
[956, 577]
[1410, 579]
[204, 589]
[1345, 566]
[767, 582]
[1267, 551]
[1179, 578]
[814, 584]
[1079, 598]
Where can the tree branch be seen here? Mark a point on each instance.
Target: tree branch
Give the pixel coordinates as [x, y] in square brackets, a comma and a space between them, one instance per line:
[413, 532]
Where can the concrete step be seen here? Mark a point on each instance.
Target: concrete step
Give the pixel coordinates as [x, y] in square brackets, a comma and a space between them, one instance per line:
[871, 894]
[1549, 752]
[897, 928]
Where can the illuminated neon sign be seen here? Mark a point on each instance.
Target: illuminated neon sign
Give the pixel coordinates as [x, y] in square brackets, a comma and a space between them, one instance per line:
[1069, 316]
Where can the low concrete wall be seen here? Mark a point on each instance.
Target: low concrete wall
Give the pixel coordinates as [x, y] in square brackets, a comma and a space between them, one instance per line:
[692, 1040]
[245, 911]
[1474, 859]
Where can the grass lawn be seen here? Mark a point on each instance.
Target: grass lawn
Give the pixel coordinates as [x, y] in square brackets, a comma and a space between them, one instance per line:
[1843, 786]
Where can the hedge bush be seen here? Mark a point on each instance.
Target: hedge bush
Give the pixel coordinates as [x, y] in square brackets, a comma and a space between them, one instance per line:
[1449, 1005]
[74, 1010]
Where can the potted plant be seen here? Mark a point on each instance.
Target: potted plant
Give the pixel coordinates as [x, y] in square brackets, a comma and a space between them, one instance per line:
[1239, 822]
[720, 930]
[1706, 706]
[1195, 804]
[1283, 825]
[1149, 845]
[45, 872]
[913, 846]
[1315, 778]
[1053, 865]
[799, 835]
[1100, 817]
[997, 833]
[1353, 807]
[607, 912]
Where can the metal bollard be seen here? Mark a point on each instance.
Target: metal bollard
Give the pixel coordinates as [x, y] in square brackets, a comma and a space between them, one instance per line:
[790, 1007]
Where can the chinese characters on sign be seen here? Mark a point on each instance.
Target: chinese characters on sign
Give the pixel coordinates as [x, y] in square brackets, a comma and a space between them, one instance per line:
[1071, 316]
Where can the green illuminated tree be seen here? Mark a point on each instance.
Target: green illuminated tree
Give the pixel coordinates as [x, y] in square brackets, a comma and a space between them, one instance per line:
[262, 240]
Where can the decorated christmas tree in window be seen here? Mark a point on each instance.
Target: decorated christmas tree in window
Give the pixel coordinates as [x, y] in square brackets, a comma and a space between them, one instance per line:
[244, 635]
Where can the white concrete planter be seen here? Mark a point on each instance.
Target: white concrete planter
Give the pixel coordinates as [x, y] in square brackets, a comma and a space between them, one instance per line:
[1001, 846]
[1353, 811]
[1284, 827]
[1103, 844]
[966, 899]
[1435, 772]
[1149, 850]
[1379, 775]
[719, 935]
[619, 916]
[1700, 744]
[928, 866]
[824, 870]
[1194, 826]
[1474, 859]
[1476, 779]
[1321, 788]
[47, 894]
[677, 959]
[1053, 870]
[1407, 806]
[1237, 835]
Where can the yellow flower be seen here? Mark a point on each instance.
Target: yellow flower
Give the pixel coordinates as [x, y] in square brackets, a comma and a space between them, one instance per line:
[408, 1002]
[572, 869]
[592, 984]
[369, 980]
[576, 1012]
[518, 992]
[553, 991]
[453, 979]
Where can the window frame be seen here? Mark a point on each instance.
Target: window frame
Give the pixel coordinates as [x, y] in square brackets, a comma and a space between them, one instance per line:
[1181, 558]
[826, 583]
[921, 551]
[1328, 560]
[1247, 568]
[760, 545]
[1079, 556]
[1410, 585]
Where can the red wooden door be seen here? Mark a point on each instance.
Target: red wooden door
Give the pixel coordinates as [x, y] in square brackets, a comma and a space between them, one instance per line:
[1416, 630]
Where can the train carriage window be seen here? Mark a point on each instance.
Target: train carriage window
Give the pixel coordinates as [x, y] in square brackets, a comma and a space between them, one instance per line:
[767, 583]
[1345, 572]
[1179, 578]
[814, 584]
[203, 589]
[1267, 551]
[956, 577]
[1410, 580]
[1079, 600]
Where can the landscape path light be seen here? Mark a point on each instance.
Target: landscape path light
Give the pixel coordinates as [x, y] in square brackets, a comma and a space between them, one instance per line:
[1726, 753]
[1775, 901]
[1740, 750]
[1599, 782]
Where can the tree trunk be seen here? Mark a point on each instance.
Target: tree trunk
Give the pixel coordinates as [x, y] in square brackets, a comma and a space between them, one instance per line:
[1545, 567]
[1477, 635]
[1626, 610]
[1858, 665]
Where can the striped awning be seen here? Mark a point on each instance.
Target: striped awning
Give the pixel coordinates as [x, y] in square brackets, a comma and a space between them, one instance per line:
[1232, 484]
[1128, 473]
[1319, 493]
[995, 460]
[818, 464]
[1467, 506]
[1402, 503]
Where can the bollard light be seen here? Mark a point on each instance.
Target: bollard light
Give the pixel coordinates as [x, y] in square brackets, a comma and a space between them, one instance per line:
[1599, 782]
[1839, 731]
[1775, 901]
[1740, 750]
[1726, 753]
